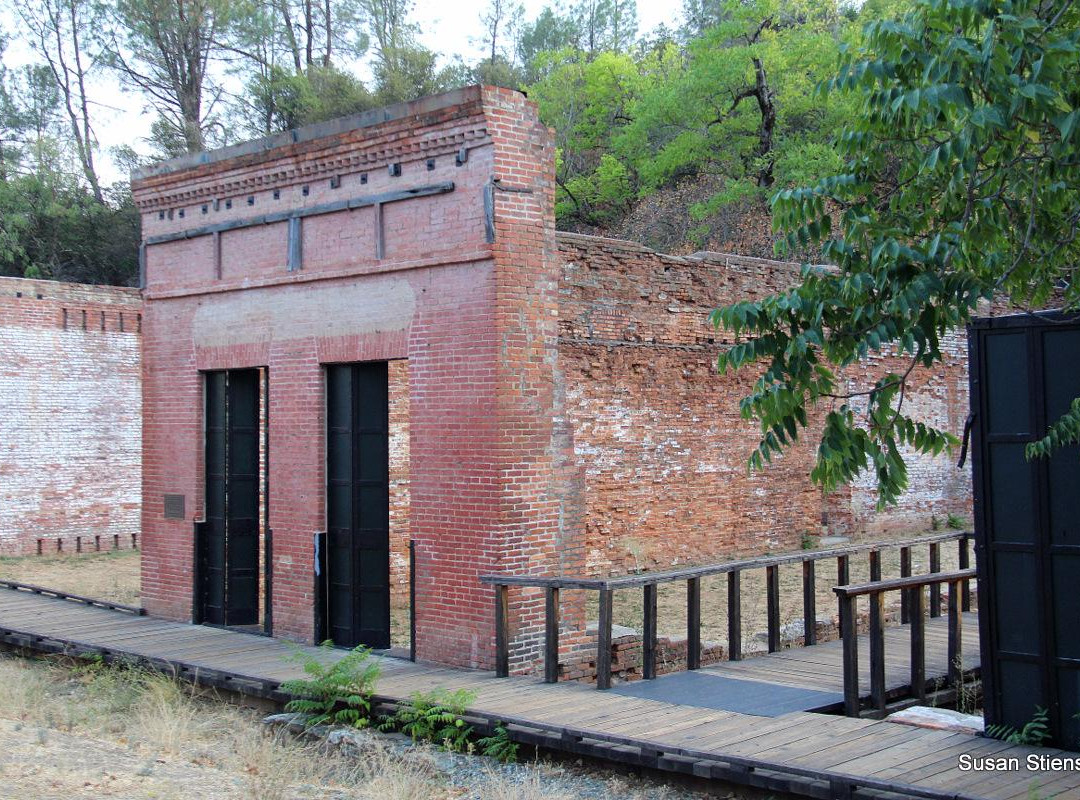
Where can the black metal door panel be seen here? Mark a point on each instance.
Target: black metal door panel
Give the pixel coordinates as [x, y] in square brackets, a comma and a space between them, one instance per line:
[1025, 372]
[229, 579]
[358, 504]
[212, 583]
[242, 502]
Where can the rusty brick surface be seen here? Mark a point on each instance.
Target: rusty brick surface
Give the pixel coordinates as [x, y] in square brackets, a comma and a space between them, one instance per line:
[657, 431]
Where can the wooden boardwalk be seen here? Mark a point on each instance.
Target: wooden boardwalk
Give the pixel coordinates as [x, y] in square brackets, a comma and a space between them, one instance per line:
[809, 754]
[809, 678]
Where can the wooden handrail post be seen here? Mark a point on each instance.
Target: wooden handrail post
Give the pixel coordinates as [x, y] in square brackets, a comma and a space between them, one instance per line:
[935, 589]
[917, 607]
[956, 667]
[809, 601]
[551, 635]
[734, 615]
[603, 641]
[875, 565]
[772, 580]
[693, 623]
[843, 578]
[877, 651]
[877, 637]
[502, 631]
[851, 656]
[965, 563]
[648, 645]
[905, 572]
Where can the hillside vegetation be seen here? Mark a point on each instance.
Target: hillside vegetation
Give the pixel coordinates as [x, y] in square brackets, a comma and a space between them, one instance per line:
[675, 138]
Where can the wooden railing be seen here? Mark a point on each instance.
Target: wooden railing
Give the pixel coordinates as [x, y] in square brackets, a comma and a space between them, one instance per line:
[913, 592]
[649, 581]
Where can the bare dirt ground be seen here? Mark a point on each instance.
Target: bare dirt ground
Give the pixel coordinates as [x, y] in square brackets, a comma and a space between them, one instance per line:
[71, 730]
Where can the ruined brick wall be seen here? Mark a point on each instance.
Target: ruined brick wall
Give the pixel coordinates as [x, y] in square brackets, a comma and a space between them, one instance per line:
[70, 425]
[657, 432]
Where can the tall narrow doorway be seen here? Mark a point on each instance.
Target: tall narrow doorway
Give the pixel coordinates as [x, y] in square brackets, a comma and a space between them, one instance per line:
[227, 567]
[358, 505]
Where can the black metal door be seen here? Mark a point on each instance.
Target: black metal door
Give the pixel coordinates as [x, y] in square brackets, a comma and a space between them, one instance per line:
[358, 505]
[1025, 372]
[229, 568]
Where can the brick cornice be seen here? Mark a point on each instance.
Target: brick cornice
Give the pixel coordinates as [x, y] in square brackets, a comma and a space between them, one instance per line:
[337, 156]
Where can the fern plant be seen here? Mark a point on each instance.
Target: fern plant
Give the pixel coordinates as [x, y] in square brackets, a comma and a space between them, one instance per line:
[338, 692]
[435, 717]
[499, 745]
[1034, 733]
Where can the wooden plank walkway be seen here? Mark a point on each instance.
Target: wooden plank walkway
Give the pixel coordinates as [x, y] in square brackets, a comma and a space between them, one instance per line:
[809, 754]
[806, 678]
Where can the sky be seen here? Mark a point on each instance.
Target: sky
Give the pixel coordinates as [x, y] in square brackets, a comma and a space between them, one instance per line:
[121, 118]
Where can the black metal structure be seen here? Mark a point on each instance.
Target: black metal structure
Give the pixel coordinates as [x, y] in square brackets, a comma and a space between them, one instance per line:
[358, 504]
[227, 542]
[1025, 372]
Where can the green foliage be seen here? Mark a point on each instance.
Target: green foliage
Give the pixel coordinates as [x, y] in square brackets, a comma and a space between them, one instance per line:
[1034, 733]
[338, 692]
[499, 745]
[956, 522]
[732, 105]
[280, 100]
[809, 541]
[960, 183]
[1065, 431]
[51, 226]
[434, 717]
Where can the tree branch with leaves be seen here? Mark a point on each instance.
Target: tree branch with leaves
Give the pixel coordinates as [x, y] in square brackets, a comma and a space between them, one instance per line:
[961, 184]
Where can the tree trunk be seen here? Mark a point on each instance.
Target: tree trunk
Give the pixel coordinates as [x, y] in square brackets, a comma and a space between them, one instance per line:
[766, 100]
[329, 33]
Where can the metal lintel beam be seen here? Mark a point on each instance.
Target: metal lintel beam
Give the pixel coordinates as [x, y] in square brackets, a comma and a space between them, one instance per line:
[284, 216]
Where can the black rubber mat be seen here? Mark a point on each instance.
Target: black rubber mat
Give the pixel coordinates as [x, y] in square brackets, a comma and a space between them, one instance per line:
[702, 690]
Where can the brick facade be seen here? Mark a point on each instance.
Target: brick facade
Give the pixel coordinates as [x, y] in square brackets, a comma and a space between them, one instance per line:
[71, 422]
[417, 279]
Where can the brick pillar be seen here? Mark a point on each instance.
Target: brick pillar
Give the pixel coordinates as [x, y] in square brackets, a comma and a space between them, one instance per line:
[539, 531]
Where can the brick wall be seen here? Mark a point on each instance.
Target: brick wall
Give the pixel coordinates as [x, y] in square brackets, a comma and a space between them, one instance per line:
[657, 431]
[71, 422]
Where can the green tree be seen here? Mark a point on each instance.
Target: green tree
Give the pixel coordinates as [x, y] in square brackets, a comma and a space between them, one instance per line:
[961, 182]
[586, 100]
[500, 20]
[164, 49]
[52, 226]
[741, 111]
[62, 34]
[285, 51]
[549, 32]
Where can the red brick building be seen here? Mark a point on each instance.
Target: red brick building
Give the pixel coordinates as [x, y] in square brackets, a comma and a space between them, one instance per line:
[421, 232]
[367, 331]
[70, 416]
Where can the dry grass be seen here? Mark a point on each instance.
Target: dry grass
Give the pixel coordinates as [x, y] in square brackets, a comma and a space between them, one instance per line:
[112, 575]
[84, 730]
